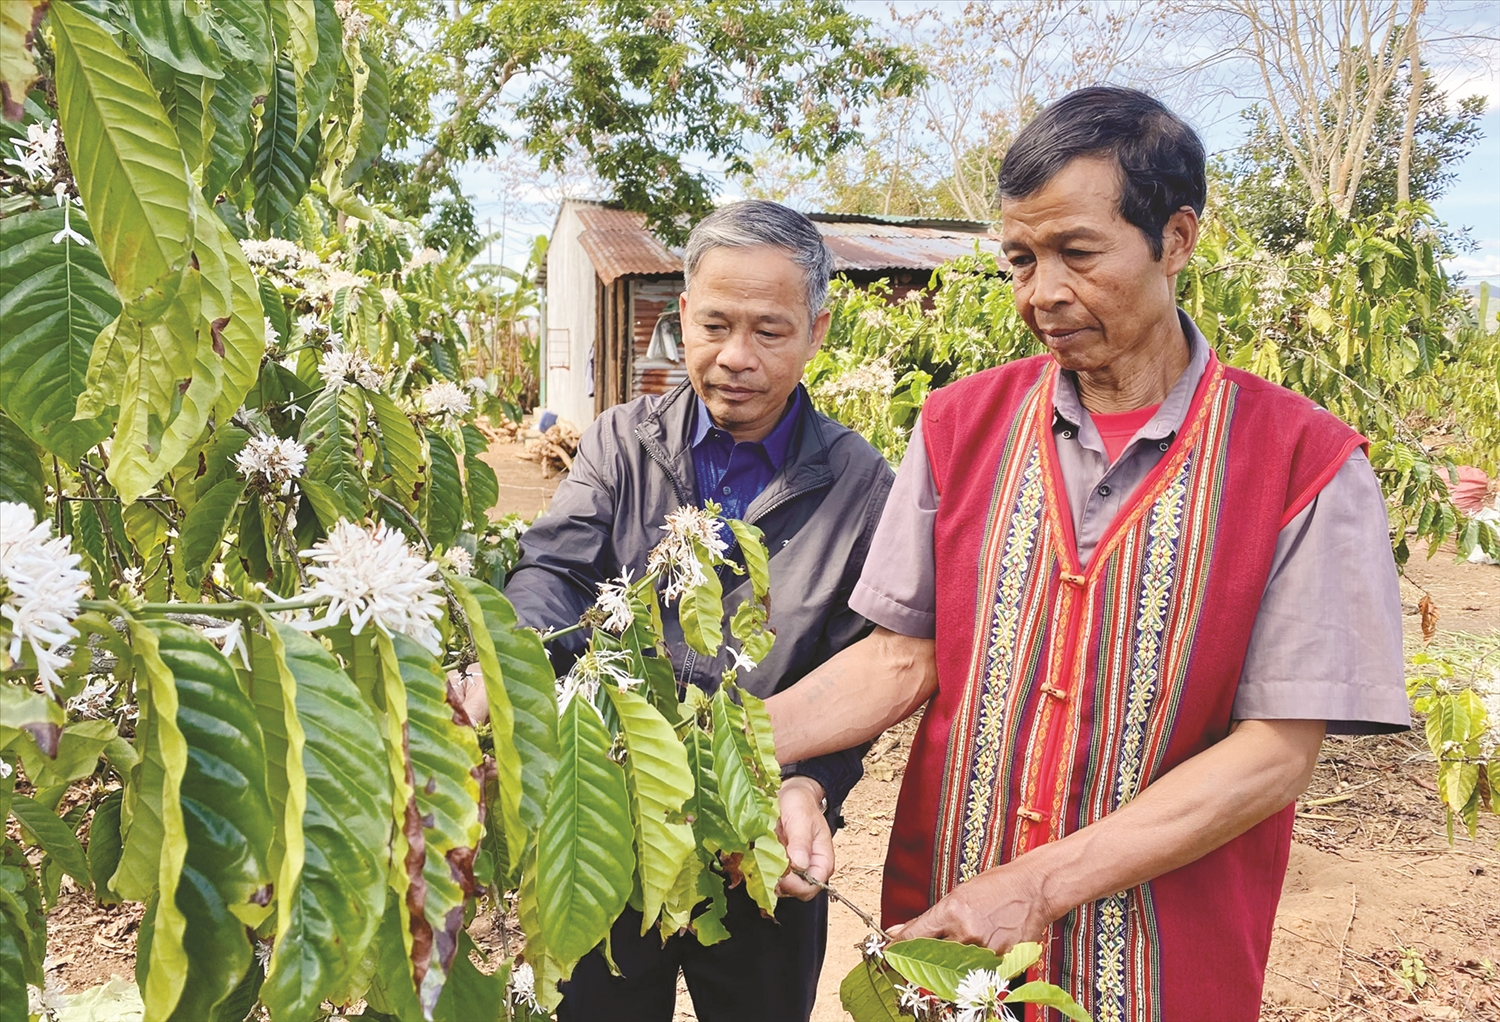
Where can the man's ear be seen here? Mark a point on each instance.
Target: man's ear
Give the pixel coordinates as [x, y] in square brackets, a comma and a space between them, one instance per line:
[1178, 239]
[820, 330]
[682, 304]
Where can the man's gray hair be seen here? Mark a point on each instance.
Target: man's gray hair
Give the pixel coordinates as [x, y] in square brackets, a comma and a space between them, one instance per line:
[753, 222]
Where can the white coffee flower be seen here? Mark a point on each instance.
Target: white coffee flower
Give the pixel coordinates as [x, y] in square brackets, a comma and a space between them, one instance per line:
[523, 985]
[914, 999]
[677, 558]
[422, 257]
[375, 577]
[477, 384]
[614, 603]
[277, 252]
[263, 954]
[40, 586]
[93, 702]
[340, 367]
[457, 560]
[445, 398]
[597, 666]
[271, 459]
[5, 770]
[38, 153]
[308, 324]
[230, 638]
[873, 947]
[741, 662]
[61, 191]
[271, 335]
[981, 994]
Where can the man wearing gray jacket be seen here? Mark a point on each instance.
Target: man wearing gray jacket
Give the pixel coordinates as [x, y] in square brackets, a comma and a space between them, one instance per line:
[744, 434]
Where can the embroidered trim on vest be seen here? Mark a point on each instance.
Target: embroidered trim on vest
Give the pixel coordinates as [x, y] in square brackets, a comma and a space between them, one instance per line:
[1075, 679]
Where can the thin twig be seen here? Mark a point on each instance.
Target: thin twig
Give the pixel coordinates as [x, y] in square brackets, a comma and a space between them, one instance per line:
[1344, 941]
[291, 547]
[396, 504]
[864, 916]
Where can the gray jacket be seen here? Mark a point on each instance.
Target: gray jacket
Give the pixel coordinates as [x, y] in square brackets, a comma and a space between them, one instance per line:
[634, 465]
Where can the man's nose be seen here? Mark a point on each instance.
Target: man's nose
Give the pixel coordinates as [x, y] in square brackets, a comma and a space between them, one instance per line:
[1050, 284]
[738, 353]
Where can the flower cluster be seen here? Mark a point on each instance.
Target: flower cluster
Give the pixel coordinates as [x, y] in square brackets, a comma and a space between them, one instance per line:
[40, 586]
[457, 560]
[860, 382]
[374, 576]
[37, 154]
[93, 702]
[981, 996]
[523, 986]
[340, 367]
[277, 252]
[445, 398]
[272, 460]
[614, 604]
[688, 529]
[610, 666]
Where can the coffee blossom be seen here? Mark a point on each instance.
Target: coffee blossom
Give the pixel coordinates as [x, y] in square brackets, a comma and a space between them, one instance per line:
[457, 560]
[614, 604]
[523, 986]
[40, 586]
[93, 702]
[610, 666]
[676, 557]
[340, 367]
[981, 994]
[375, 577]
[38, 153]
[445, 398]
[271, 460]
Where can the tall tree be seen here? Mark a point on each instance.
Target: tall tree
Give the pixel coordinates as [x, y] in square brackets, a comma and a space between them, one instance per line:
[1325, 71]
[1416, 134]
[656, 99]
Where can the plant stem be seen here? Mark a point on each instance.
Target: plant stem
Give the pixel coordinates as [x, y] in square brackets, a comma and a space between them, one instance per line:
[864, 916]
[396, 504]
[564, 631]
[233, 608]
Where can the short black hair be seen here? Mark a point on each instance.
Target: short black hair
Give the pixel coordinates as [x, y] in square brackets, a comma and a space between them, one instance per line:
[1161, 158]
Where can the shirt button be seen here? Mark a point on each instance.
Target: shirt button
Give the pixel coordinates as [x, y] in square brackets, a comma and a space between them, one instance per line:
[1067, 434]
[1163, 446]
[1105, 490]
[727, 491]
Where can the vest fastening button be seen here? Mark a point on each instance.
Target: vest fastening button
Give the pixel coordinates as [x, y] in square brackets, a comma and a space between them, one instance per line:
[1105, 490]
[1067, 434]
[1163, 446]
[1027, 813]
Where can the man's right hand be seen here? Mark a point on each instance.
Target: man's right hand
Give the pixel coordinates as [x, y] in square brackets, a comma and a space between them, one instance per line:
[804, 831]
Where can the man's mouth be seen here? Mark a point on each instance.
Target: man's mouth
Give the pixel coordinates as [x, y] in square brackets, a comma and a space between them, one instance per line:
[1062, 336]
[734, 393]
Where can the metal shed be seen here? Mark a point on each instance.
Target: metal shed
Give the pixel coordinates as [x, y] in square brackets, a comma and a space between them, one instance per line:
[612, 287]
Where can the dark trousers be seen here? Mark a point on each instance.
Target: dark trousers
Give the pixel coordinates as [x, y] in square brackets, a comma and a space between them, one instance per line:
[767, 971]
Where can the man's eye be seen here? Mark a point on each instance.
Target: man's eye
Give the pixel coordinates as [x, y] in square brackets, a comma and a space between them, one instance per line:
[1077, 253]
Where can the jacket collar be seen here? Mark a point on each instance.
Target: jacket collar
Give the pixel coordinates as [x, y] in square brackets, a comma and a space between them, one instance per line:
[667, 435]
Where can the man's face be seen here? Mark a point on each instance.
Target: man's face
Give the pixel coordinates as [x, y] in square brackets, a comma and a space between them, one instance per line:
[1084, 278]
[746, 336]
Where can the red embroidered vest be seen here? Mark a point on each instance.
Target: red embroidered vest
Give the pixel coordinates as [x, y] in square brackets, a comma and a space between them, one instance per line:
[1064, 688]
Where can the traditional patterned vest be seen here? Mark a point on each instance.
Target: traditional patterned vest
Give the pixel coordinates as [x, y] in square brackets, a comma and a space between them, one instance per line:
[1066, 688]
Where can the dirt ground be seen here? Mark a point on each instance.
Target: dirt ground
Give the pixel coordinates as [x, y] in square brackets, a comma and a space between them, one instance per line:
[1373, 889]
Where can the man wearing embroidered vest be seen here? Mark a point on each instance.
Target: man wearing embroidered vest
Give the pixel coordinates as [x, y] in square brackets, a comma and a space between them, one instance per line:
[1133, 587]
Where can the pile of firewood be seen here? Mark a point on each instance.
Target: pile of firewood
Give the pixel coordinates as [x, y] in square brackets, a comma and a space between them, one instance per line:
[500, 430]
[554, 449]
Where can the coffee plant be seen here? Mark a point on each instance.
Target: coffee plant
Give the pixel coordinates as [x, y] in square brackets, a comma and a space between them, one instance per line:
[244, 547]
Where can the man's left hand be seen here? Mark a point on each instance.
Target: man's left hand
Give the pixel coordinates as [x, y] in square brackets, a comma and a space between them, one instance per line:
[998, 909]
[804, 831]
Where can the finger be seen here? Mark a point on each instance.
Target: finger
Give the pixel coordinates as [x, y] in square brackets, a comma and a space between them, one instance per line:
[793, 886]
[821, 858]
[928, 924]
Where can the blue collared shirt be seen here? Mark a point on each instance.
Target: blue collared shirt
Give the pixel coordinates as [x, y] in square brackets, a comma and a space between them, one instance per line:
[734, 474]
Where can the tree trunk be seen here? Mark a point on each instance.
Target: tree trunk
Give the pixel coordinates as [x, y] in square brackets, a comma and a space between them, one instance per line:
[1413, 106]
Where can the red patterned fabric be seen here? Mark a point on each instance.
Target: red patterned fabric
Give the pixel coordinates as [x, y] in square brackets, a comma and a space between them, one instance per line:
[1065, 688]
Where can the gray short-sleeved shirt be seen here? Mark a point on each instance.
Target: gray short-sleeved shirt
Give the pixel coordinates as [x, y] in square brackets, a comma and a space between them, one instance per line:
[1326, 644]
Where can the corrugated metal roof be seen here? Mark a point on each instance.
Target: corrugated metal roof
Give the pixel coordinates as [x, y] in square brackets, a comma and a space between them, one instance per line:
[618, 244]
